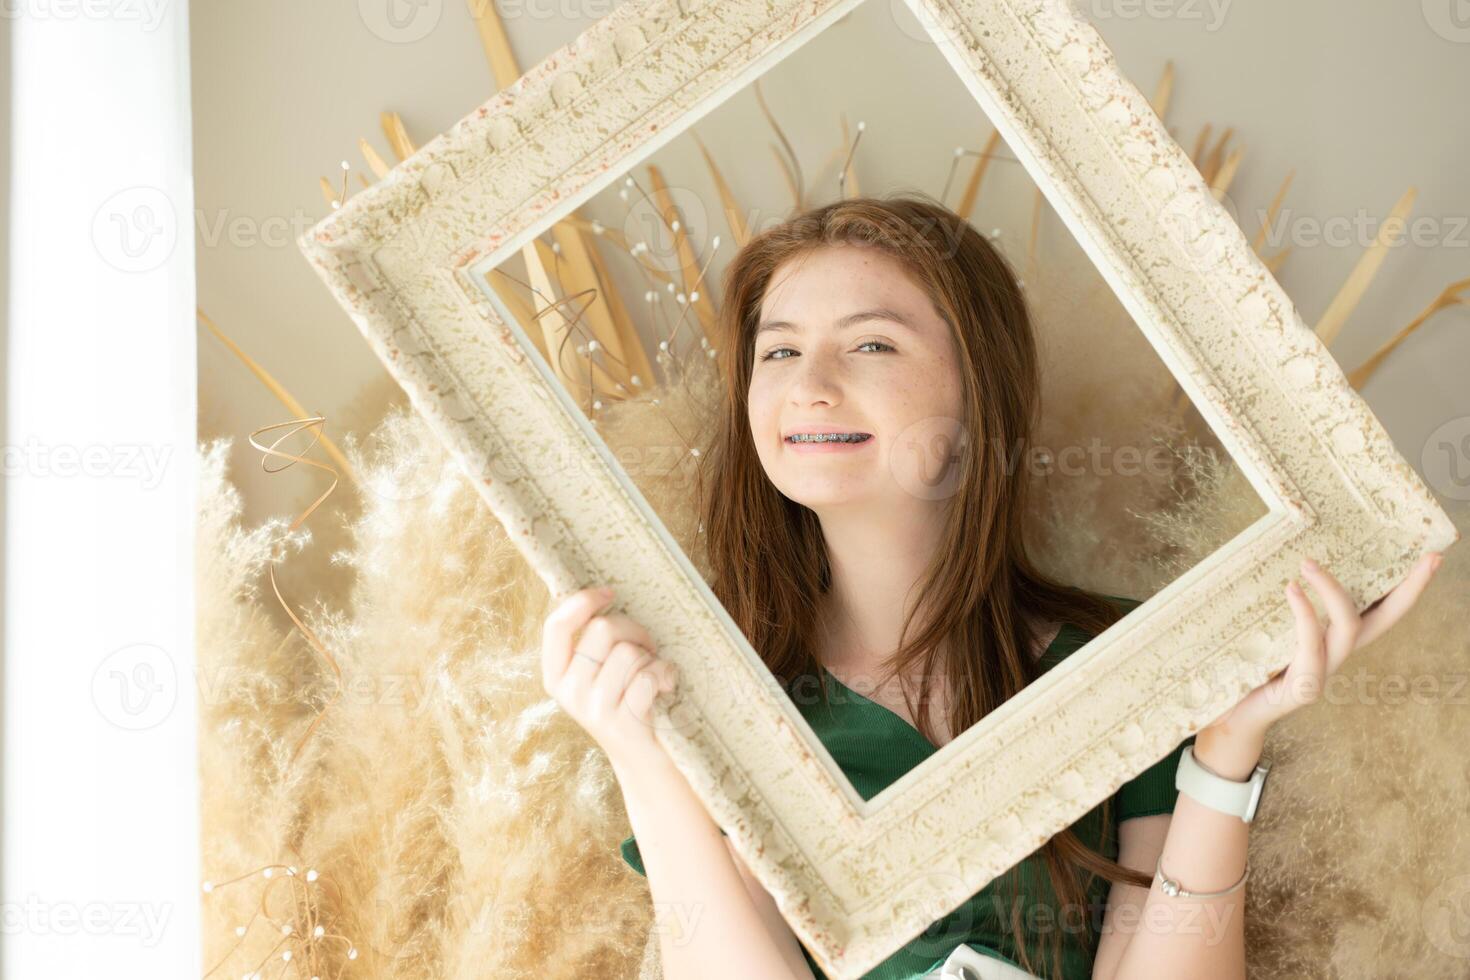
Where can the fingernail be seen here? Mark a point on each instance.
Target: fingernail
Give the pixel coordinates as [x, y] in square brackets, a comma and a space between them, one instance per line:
[1438, 561]
[1309, 564]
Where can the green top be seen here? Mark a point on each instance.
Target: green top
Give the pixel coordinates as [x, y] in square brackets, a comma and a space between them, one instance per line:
[874, 747]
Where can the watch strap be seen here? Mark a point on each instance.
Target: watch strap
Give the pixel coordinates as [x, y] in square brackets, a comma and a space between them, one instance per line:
[1233, 797]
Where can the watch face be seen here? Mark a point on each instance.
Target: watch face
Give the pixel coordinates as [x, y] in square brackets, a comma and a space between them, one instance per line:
[1258, 787]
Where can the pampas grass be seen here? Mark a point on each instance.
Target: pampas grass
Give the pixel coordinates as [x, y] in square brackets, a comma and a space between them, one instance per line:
[459, 823]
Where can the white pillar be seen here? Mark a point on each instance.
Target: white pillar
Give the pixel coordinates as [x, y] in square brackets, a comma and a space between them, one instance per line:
[99, 874]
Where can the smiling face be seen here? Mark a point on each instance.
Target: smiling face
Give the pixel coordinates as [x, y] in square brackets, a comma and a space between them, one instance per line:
[848, 342]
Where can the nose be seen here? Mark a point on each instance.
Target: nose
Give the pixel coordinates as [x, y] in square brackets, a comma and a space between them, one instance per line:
[816, 380]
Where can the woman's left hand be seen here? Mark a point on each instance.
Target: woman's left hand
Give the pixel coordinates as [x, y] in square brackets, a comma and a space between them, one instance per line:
[1319, 652]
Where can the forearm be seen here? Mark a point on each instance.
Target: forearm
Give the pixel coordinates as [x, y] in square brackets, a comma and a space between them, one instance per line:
[707, 923]
[1205, 851]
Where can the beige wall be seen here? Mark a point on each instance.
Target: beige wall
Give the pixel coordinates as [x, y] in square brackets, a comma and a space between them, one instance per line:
[1361, 106]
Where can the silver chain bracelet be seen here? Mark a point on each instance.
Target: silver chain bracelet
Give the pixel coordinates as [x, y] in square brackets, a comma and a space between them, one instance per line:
[1171, 887]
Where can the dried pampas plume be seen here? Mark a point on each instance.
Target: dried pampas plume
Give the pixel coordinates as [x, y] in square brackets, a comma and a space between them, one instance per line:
[459, 825]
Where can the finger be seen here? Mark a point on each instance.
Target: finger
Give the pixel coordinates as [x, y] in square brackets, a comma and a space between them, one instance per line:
[1392, 606]
[560, 629]
[622, 662]
[1308, 626]
[1309, 664]
[655, 678]
[575, 688]
[639, 695]
[595, 645]
[603, 632]
[669, 679]
[1342, 615]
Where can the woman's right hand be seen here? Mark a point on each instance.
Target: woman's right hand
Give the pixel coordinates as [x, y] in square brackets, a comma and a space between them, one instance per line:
[608, 689]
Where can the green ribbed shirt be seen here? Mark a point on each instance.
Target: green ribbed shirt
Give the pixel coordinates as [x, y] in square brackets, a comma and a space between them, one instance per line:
[874, 747]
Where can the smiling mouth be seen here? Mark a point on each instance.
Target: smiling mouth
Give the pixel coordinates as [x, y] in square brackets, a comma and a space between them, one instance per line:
[825, 437]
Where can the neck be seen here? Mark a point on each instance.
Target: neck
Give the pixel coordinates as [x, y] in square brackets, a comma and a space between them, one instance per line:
[877, 563]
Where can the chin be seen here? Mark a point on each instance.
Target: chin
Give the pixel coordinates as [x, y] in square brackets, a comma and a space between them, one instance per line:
[819, 495]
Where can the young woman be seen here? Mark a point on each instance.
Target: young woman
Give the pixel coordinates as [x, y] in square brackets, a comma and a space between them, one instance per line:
[893, 327]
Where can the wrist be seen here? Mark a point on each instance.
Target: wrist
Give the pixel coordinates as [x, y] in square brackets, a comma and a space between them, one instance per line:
[643, 766]
[1230, 755]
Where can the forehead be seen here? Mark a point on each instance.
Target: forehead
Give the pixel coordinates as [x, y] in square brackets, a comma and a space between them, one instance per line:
[832, 280]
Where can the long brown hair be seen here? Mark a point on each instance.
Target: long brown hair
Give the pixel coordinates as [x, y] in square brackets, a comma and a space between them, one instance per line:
[980, 591]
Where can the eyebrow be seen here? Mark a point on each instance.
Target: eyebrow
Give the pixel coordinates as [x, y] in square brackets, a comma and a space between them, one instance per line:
[877, 313]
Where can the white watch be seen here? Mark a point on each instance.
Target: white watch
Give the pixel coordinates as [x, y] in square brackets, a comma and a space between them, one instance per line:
[1235, 797]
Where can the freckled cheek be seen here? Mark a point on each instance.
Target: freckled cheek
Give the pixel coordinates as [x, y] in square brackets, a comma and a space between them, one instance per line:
[760, 411]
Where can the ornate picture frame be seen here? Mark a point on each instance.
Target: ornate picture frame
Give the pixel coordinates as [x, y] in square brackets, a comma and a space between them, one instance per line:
[403, 258]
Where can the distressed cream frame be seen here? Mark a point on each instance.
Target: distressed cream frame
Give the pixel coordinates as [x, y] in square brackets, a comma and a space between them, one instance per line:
[858, 879]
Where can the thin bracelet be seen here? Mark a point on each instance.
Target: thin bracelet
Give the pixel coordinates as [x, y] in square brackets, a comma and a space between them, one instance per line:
[1171, 887]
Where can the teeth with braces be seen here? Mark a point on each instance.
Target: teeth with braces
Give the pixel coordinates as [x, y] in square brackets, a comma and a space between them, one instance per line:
[826, 437]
